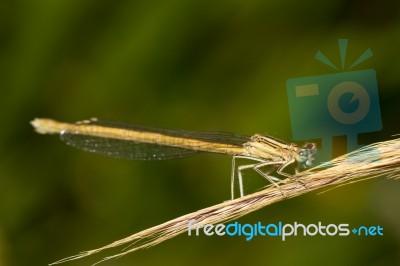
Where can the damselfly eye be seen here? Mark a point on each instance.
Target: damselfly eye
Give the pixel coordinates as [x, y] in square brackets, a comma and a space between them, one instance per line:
[306, 155]
[310, 146]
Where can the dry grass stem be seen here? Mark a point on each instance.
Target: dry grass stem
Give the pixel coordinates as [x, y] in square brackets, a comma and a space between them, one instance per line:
[379, 159]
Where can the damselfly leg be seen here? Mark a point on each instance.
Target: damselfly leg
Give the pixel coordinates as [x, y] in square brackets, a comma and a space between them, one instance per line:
[257, 167]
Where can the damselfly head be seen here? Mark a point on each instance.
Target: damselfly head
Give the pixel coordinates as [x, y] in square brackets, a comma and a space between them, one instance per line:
[306, 155]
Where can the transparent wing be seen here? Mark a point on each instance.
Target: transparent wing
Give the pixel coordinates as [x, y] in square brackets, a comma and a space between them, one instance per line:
[131, 149]
[124, 149]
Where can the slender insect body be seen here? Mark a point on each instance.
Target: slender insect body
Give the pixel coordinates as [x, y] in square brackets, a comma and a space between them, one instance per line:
[121, 140]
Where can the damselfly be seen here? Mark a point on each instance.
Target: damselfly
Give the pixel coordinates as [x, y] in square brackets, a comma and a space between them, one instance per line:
[145, 143]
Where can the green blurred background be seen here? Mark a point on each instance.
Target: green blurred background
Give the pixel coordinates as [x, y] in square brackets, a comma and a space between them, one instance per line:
[196, 65]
